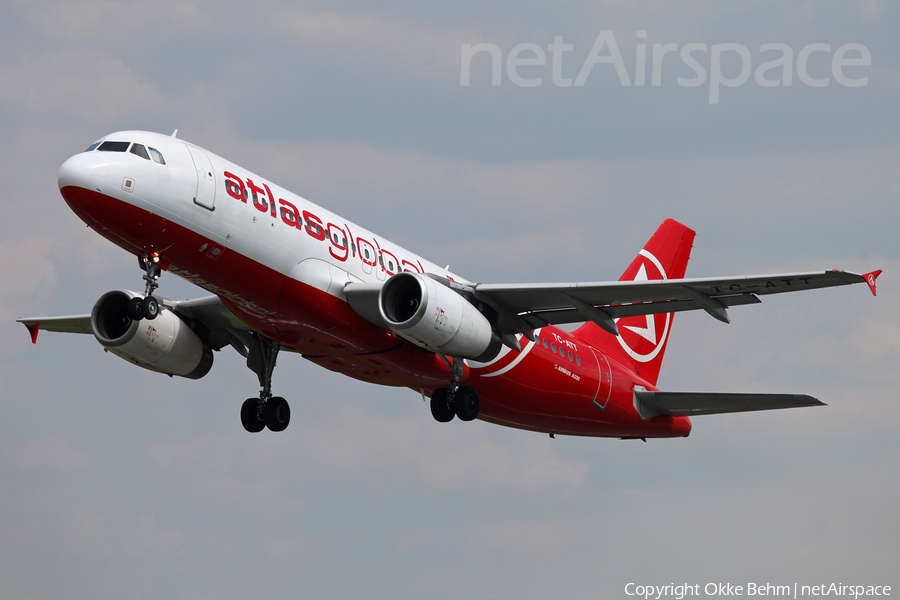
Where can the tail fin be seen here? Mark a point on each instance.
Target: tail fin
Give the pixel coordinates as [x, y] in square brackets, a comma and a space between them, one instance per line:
[643, 339]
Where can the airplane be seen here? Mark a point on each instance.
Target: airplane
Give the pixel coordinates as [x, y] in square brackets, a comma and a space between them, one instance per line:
[286, 274]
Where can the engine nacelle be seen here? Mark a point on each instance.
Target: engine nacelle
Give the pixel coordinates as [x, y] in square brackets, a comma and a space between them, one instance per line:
[435, 317]
[166, 344]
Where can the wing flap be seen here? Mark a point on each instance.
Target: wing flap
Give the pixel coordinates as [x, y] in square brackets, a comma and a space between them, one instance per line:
[542, 318]
[551, 304]
[546, 296]
[688, 404]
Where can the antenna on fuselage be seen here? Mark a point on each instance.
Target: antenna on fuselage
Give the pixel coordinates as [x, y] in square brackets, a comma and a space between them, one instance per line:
[175, 133]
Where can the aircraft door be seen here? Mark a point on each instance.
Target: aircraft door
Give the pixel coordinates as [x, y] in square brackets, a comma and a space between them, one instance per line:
[604, 387]
[205, 195]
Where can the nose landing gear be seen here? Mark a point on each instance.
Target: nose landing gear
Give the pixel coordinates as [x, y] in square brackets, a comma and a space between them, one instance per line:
[148, 306]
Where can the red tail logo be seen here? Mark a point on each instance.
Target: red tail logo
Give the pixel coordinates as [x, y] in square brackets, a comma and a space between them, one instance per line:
[643, 338]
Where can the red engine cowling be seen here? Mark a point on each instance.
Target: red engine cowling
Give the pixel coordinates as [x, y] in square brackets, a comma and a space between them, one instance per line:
[166, 344]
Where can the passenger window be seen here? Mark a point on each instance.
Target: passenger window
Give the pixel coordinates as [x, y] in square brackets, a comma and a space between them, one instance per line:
[545, 342]
[562, 351]
[157, 156]
[140, 151]
[113, 146]
[578, 360]
[553, 347]
[570, 356]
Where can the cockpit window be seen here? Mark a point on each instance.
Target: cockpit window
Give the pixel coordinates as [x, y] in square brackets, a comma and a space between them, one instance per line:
[113, 146]
[92, 147]
[140, 151]
[157, 156]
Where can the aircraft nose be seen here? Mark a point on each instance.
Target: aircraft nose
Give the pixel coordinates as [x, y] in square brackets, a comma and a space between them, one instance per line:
[86, 170]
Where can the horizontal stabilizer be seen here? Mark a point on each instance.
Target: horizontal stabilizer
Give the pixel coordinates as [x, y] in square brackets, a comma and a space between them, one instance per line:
[688, 404]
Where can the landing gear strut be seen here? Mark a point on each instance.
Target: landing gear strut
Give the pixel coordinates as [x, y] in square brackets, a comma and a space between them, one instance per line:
[148, 306]
[269, 411]
[455, 401]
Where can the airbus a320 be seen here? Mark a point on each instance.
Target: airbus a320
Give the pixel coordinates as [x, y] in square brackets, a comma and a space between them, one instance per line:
[286, 274]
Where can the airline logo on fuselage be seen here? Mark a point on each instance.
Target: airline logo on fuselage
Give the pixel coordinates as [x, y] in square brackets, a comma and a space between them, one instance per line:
[341, 243]
[644, 337]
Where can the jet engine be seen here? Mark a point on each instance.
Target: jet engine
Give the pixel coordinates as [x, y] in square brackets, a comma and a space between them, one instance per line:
[435, 317]
[165, 344]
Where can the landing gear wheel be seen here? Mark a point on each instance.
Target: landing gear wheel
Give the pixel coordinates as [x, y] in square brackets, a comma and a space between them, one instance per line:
[151, 308]
[277, 414]
[466, 403]
[249, 418]
[136, 308]
[268, 410]
[440, 406]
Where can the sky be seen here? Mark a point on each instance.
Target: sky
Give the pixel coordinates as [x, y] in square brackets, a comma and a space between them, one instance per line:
[116, 482]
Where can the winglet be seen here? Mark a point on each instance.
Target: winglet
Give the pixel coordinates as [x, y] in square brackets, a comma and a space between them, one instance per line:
[870, 279]
[33, 329]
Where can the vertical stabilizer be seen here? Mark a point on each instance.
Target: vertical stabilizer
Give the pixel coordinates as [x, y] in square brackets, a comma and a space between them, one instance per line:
[643, 339]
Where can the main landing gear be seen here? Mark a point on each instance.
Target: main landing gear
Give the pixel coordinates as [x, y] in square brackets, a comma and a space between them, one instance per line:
[148, 306]
[455, 401]
[269, 411]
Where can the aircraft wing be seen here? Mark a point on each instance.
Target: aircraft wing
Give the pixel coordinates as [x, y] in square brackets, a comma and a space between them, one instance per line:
[73, 324]
[688, 404]
[538, 305]
[220, 327]
[211, 318]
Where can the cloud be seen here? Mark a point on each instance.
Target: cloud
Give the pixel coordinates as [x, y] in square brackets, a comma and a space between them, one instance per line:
[872, 8]
[200, 596]
[561, 184]
[215, 465]
[48, 453]
[443, 457]
[371, 446]
[391, 40]
[81, 81]
[329, 168]
[523, 538]
[26, 273]
[149, 539]
[278, 548]
[27, 279]
[526, 246]
[113, 19]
